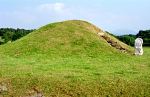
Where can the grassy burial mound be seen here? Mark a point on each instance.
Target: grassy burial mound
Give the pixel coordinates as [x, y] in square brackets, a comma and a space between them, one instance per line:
[72, 59]
[67, 38]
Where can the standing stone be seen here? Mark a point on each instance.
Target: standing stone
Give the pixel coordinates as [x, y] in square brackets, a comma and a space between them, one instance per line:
[138, 46]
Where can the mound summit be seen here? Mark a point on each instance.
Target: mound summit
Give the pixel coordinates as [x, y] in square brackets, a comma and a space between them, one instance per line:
[67, 38]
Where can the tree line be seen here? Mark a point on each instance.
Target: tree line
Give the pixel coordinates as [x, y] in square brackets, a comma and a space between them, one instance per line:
[10, 34]
[129, 39]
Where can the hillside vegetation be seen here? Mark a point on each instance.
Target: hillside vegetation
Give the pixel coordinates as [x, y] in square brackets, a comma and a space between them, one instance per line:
[72, 59]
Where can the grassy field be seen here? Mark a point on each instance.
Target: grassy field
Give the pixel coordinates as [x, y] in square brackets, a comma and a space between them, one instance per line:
[72, 62]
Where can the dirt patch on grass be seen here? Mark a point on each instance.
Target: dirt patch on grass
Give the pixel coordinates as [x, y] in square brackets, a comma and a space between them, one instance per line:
[35, 93]
[113, 43]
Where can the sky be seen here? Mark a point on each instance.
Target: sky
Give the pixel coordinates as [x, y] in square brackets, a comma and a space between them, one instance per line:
[115, 16]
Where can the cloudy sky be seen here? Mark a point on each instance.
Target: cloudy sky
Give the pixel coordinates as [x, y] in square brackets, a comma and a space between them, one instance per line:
[116, 16]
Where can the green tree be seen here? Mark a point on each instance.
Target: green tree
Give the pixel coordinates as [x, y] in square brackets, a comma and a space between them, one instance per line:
[8, 36]
[128, 39]
[145, 35]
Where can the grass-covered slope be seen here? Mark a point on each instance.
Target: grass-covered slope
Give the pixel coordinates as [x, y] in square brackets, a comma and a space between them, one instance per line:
[72, 59]
[67, 38]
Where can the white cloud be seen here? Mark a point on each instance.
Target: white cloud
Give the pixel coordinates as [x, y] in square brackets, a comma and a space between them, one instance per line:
[35, 16]
[52, 7]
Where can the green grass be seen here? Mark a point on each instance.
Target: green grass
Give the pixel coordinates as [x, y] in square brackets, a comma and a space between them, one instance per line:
[68, 59]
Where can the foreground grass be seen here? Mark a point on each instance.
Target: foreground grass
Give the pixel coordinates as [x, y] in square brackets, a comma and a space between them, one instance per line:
[69, 59]
[115, 75]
